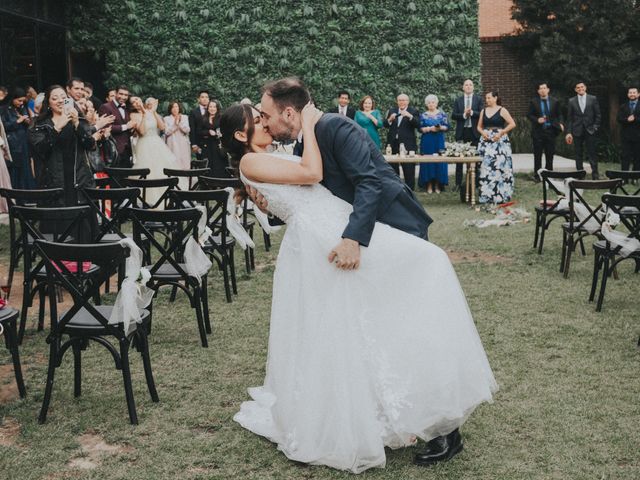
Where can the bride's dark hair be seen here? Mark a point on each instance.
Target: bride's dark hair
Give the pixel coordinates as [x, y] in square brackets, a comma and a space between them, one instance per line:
[235, 119]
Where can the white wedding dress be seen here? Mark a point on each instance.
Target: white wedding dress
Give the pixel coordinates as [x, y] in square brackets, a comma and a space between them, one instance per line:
[359, 360]
[152, 153]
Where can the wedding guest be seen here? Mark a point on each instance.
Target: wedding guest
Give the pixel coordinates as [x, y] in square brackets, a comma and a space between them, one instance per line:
[370, 118]
[16, 123]
[88, 92]
[4, 93]
[211, 134]
[583, 123]
[198, 124]
[60, 140]
[5, 159]
[343, 108]
[37, 103]
[101, 132]
[629, 120]
[111, 96]
[433, 124]
[176, 134]
[75, 89]
[402, 122]
[31, 96]
[496, 169]
[546, 123]
[466, 111]
[122, 126]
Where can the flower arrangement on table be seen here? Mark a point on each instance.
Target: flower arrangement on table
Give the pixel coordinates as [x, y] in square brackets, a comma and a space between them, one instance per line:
[456, 149]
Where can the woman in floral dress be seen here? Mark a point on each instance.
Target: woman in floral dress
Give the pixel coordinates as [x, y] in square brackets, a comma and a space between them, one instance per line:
[496, 170]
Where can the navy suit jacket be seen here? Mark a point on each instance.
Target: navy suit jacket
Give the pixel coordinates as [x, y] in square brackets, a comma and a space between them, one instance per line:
[355, 171]
[458, 115]
[630, 131]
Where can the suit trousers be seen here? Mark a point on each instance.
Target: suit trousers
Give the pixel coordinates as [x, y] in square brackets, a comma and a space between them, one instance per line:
[586, 143]
[467, 137]
[630, 154]
[408, 169]
[544, 142]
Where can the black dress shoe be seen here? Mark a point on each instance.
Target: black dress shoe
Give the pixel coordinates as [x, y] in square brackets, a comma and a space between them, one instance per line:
[439, 449]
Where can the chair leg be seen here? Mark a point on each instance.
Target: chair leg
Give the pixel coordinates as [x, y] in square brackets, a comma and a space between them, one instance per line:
[543, 229]
[597, 263]
[603, 284]
[77, 368]
[53, 360]
[537, 230]
[26, 294]
[11, 335]
[267, 241]
[205, 305]
[232, 265]
[126, 376]
[582, 249]
[13, 261]
[563, 255]
[197, 296]
[174, 292]
[42, 299]
[225, 276]
[570, 248]
[146, 362]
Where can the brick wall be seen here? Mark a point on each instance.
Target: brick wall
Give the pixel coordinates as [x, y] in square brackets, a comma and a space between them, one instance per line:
[494, 18]
[502, 70]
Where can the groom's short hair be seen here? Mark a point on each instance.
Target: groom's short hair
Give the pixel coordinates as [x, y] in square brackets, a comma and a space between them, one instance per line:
[288, 92]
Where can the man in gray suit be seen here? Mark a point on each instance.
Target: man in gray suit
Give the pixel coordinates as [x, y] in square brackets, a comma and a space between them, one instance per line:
[583, 123]
[353, 170]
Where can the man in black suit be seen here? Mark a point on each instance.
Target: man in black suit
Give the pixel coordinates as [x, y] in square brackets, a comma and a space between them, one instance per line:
[88, 90]
[343, 107]
[466, 111]
[629, 120]
[546, 123]
[197, 121]
[402, 122]
[121, 126]
[583, 123]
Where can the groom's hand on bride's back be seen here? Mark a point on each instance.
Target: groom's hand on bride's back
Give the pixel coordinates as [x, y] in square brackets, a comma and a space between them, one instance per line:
[346, 255]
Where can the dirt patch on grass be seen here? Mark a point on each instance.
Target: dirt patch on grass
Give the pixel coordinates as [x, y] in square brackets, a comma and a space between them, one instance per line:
[9, 432]
[8, 386]
[460, 256]
[93, 450]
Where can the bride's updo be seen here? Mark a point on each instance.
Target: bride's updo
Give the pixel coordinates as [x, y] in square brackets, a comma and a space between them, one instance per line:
[235, 119]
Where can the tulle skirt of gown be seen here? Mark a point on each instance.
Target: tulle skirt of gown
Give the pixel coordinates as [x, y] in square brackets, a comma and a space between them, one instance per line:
[152, 153]
[359, 360]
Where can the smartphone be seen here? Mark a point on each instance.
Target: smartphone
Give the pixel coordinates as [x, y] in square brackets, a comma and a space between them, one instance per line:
[68, 105]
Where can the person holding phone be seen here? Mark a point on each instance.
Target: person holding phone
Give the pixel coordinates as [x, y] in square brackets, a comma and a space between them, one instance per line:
[16, 123]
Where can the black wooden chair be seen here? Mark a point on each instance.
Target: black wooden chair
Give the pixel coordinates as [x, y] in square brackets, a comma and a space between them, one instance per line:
[200, 163]
[86, 321]
[576, 229]
[164, 185]
[220, 246]
[8, 318]
[118, 175]
[168, 268]
[549, 208]
[607, 255]
[191, 175]
[25, 198]
[67, 224]
[630, 181]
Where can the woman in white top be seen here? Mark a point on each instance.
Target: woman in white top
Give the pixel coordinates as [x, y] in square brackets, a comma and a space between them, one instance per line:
[176, 134]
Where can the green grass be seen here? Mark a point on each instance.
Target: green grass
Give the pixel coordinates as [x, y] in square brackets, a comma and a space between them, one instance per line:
[569, 377]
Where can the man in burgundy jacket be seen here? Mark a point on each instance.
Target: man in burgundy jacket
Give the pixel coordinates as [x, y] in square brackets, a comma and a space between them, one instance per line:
[122, 125]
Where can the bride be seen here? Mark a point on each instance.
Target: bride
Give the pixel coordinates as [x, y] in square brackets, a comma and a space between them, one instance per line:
[358, 360]
[149, 150]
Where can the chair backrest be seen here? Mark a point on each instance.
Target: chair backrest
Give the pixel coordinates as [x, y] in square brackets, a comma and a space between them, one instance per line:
[118, 174]
[31, 197]
[179, 223]
[204, 163]
[64, 224]
[591, 213]
[215, 201]
[215, 183]
[627, 177]
[192, 174]
[627, 207]
[550, 187]
[81, 285]
[110, 204]
[165, 184]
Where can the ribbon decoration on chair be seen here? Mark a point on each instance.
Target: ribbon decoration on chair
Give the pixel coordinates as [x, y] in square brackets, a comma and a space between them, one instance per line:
[582, 212]
[627, 245]
[134, 295]
[234, 225]
[197, 264]
[263, 219]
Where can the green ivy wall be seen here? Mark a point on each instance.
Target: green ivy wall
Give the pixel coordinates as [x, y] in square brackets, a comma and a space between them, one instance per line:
[171, 48]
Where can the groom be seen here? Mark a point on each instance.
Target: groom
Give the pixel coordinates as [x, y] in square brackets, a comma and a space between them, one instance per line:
[355, 171]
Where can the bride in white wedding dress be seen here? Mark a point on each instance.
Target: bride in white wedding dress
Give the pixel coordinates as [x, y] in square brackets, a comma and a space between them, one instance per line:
[150, 151]
[362, 359]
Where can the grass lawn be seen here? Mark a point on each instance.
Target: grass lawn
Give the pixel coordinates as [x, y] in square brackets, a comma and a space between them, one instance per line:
[568, 405]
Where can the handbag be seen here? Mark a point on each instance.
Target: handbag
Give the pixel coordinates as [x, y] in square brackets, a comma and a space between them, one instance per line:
[109, 152]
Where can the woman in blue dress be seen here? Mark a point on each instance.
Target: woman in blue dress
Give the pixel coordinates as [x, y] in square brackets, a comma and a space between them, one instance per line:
[496, 169]
[369, 118]
[433, 124]
[16, 123]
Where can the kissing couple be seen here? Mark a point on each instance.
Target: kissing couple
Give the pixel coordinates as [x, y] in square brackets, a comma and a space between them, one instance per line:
[371, 343]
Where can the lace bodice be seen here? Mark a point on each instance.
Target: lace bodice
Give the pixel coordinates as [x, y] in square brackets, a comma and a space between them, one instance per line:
[298, 202]
[150, 124]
